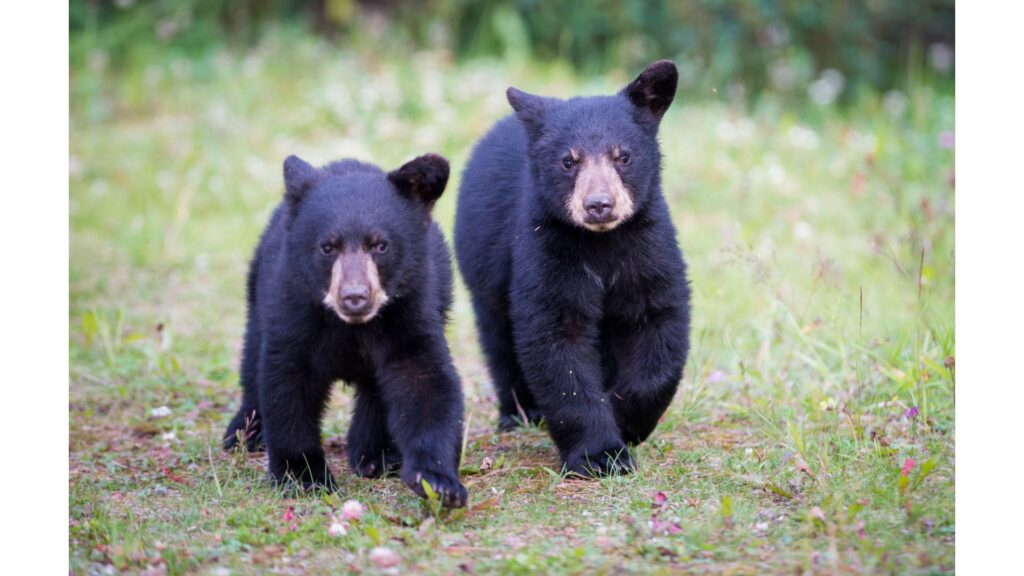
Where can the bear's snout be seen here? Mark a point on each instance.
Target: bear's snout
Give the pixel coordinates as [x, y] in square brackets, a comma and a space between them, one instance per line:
[355, 292]
[599, 207]
[599, 199]
[355, 299]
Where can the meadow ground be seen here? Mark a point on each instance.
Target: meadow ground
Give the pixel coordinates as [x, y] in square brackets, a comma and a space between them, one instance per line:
[813, 430]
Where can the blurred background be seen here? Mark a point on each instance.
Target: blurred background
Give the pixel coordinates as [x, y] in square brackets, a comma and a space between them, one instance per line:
[745, 48]
[809, 167]
[180, 108]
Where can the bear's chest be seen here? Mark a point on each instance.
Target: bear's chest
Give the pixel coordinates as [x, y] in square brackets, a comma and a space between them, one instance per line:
[343, 355]
[628, 285]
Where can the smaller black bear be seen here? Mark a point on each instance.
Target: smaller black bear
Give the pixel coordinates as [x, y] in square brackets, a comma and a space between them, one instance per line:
[567, 247]
[352, 281]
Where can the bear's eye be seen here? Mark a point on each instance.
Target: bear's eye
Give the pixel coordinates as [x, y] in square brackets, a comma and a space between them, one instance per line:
[568, 162]
[326, 249]
[624, 158]
[380, 246]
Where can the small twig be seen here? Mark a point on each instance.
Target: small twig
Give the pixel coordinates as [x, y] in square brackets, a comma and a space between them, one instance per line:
[216, 480]
[465, 436]
[519, 408]
[920, 274]
[860, 356]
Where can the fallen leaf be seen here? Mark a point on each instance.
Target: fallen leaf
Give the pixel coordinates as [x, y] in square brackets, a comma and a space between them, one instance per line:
[172, 477]
[267, 554]
[490, 503]
[778, 490]
[802, 466]
[665, 527]
[659, 499]
[908, 465]
[462, 550]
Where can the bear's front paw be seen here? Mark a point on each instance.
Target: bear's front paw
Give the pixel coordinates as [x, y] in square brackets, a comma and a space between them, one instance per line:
[306, 483]
[309, 474]
[447, 486]
[377, 467]
[325, 483]
[602, 462]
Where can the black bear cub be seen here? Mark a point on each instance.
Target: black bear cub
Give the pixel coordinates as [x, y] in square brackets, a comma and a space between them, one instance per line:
[352, 281]
[564, 239]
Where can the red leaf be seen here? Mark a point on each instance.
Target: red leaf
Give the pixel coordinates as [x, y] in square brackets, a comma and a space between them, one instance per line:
[172, 477]
[908, 465]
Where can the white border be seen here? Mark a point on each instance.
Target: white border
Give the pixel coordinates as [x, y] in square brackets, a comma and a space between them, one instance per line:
[989, 295]
[34, 250]
[34, 304]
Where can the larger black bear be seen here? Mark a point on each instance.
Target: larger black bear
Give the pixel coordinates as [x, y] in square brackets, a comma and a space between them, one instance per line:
[564, 239]
[352, 281]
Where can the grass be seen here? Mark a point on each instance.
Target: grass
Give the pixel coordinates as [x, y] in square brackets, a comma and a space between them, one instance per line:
[820, 245]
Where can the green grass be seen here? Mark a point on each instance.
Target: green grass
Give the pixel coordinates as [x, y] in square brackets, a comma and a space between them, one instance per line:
[820, 245]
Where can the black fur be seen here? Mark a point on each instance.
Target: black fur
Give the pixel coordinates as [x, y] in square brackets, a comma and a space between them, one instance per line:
[409, 401]
[588, 329]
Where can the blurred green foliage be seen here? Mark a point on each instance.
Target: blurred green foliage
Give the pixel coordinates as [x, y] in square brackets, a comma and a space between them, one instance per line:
[742, 46]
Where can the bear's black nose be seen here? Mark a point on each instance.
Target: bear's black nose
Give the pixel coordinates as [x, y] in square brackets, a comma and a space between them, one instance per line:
[599, 206]
[355, 299]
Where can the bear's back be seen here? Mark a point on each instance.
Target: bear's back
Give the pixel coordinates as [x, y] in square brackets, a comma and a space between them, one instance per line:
[488, 204]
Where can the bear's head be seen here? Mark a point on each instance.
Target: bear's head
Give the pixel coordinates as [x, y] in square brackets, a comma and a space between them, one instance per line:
[596, 160]
[357, 237]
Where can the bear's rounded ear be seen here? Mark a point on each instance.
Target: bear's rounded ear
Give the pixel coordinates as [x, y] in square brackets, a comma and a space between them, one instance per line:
[299, 177]
[654, 89]
[422, 179]
[529, 108]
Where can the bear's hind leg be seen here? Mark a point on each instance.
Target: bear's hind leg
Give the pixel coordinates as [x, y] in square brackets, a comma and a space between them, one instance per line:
[246, 423]
[244, 426]
[371, 451]
[515, 401]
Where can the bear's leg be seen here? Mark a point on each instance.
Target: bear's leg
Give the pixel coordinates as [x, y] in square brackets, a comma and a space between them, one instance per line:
[514, 399]
[293, 404]
[649, 364]
[424, 401]
[371, 452]
[246, 423]
[560, 359]
[246, 426]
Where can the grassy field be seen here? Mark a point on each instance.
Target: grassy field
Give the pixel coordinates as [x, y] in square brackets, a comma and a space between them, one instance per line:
[813, 430]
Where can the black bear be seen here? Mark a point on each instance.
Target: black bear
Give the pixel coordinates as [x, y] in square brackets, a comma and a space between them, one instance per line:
[564, 239]
[352, 281]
